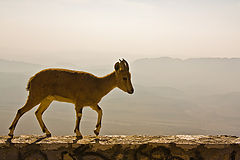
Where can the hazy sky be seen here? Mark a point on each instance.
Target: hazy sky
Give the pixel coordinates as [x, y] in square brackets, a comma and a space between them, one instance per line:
[78, 31]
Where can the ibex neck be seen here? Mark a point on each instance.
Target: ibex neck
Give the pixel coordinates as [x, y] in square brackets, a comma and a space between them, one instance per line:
[107, 83]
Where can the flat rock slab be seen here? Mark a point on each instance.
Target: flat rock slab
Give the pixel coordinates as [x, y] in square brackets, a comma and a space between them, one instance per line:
[121, 139]
[120, 147]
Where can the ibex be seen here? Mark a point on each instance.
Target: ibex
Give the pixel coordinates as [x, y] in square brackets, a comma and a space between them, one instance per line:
[77, 87]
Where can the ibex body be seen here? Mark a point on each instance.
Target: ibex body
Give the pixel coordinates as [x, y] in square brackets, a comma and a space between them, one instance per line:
[80, 88]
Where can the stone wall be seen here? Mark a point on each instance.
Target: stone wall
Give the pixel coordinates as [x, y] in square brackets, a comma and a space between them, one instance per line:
[179, 147]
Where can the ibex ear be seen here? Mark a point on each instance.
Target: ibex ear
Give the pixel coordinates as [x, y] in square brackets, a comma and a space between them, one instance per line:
[117, 66]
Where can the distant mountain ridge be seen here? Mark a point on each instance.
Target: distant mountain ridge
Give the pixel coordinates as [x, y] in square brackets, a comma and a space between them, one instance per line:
[203, 59]
[17, 66]
[199, 73]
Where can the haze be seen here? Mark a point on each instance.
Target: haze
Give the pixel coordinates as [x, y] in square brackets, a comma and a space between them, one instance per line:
[176, 92]
[98, 32]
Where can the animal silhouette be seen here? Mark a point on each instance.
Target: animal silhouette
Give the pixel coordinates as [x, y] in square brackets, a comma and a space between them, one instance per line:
[77, 87]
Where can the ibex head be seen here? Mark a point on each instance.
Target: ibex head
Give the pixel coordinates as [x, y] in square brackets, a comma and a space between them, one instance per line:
[123, 76]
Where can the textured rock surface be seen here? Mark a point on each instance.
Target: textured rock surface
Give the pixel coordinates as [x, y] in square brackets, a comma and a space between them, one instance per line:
[179, 147]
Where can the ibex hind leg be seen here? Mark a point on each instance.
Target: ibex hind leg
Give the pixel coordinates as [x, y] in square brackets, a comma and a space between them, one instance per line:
[43, 106]
[31, 102]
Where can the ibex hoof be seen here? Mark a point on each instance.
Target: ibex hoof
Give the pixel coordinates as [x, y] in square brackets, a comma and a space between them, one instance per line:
[48, 135]
[79, 137]
[11, 135]
[96, 132]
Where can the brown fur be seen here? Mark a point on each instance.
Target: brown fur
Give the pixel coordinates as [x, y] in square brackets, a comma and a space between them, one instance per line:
[77, 87]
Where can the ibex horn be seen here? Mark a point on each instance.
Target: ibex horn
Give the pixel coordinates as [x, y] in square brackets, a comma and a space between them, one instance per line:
[126, 64]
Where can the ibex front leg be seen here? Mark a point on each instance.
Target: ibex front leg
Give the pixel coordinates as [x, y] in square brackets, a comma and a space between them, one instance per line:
[99, 111]
[78, 109]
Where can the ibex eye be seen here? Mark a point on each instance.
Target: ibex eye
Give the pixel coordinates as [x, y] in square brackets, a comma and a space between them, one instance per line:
[124, 78]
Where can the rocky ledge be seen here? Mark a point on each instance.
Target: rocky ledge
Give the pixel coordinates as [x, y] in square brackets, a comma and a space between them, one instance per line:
[179, 147]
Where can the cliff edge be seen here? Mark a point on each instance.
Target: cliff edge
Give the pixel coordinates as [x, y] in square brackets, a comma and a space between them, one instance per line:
[178, 147]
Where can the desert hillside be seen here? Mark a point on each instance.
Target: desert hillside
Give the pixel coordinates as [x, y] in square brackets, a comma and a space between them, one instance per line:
[173, 96]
